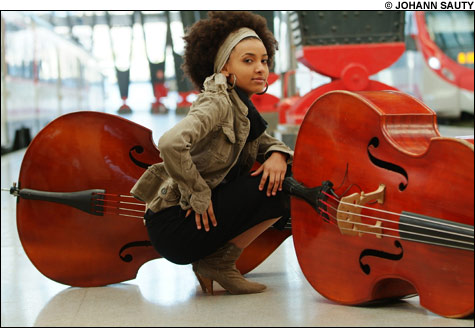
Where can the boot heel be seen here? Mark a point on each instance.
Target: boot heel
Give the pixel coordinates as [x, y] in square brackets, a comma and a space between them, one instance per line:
[209, 285]
[203, 287]
[205, 283]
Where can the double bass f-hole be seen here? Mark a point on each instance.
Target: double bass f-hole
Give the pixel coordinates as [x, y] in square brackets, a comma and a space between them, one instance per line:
[139, 150]
[377, 253]
[128, 257]
[387, 165]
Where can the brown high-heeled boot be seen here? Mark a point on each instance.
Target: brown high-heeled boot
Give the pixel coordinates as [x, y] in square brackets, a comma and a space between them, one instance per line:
[221, 267]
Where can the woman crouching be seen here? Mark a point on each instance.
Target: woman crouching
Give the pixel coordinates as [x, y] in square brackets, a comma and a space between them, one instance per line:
[204, 203]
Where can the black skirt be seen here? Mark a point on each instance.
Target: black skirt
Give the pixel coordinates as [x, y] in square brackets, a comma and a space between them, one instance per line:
[238, 206]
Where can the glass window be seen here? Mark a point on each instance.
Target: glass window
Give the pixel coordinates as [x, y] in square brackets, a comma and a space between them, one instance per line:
[452, 31]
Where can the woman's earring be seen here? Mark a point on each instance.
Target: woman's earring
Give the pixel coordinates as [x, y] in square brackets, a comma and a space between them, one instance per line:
[265, 90]
[234, 84]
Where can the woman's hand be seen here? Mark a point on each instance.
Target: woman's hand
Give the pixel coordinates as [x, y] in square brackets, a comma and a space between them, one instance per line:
[273, 168]
[205, 217]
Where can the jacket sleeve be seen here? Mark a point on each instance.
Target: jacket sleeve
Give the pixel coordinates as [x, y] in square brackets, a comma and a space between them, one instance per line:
[269, 144]
[175, 146]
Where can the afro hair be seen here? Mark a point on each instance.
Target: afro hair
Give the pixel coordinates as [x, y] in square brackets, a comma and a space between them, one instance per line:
[203, 39]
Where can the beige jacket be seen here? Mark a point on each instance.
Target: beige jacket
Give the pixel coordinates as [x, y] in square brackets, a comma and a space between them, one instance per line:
[201, 149]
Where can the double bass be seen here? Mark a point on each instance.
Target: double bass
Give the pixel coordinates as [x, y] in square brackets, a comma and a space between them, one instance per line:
[76, 220]
[392, 215]
[384, 205]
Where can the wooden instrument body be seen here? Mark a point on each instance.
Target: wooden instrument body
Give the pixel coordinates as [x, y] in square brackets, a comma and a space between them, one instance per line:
[82, 151]
[422, 172]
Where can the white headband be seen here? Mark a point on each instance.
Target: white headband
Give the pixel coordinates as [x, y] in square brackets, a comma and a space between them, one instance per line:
[231, 41]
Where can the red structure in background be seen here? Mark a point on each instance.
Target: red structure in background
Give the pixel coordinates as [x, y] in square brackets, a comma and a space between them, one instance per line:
[349, 67]
[124, 108]
[183, 102]
[159, 91]
[123, 79]
[346, 46]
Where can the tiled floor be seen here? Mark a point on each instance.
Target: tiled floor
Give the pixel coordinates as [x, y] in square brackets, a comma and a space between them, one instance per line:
[164, 294]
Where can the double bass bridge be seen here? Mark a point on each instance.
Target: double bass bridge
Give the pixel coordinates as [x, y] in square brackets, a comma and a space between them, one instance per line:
[349, 213]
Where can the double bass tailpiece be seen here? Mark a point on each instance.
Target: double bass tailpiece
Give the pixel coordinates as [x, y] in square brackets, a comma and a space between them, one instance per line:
[88, 201]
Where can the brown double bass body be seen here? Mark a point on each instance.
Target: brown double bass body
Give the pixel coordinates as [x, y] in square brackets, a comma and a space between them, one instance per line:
[76, 220]
[399, 219]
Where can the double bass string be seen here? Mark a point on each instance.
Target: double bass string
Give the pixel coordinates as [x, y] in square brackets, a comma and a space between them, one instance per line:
[398, 230]
[395, 236]
[332, 216]
[124, 206]
[376, 218]
[397, 214]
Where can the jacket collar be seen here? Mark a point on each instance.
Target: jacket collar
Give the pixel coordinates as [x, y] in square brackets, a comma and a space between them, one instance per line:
[217, 83]
[242, 107]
